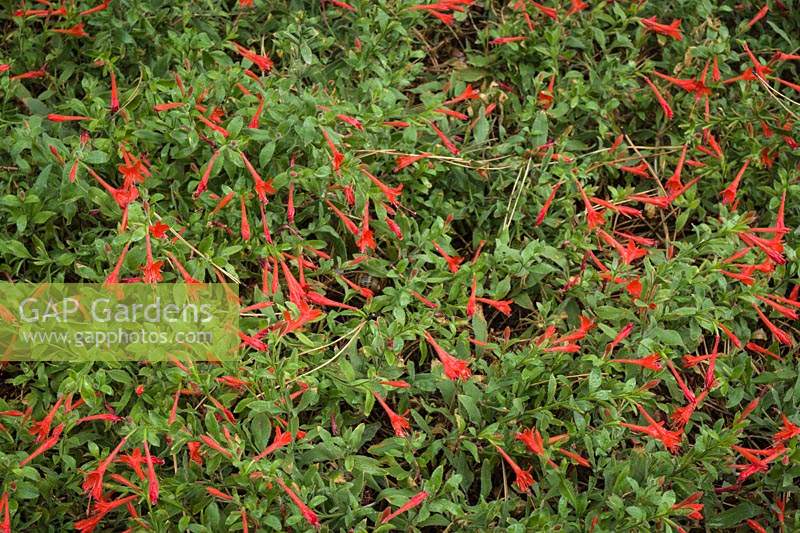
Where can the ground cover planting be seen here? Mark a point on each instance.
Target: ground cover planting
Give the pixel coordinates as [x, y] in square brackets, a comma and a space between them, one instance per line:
[499, 266]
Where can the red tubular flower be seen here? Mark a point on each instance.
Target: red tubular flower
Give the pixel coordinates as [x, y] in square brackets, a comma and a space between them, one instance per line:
[639, 170]
[760, 70]
[160, 108]
[760, 15]
[759, 349]
[88, 525]
[756, 463]
[652, 362]
[394, 228]
[342, 5]
[672, 29]
[234, 382]
[576, 6]
[344, 218]
[445, 139]
[616, 208]
[290, 211]
[397, 383]
[54, 117]
[158, 230]
[454, 368]
[783, 310]
[691, 504]
[696, 87]
[219, 129]
[203, 184]
[245, 228]
[453, 262]
[254, 122]
[747, 279]
[279, 440]
[755, 526]
[406, 160]
[194, 451]
[452, 113]
[503, 306]
[674, 183]
[93, 484]
[623, 333]
[658, 201]
[524, 479]
[31, 74]
[114, 105]
[263, 188]
[687, 393]
[54, 151]
[187, 278]
[391, 193]
[747, 410]
[349, 195]
[780, 335]
[337, 158]
[575, 457]
[424, 300]
[214, 445]
[51, 441]
[219, 494]
[41, 429]
[788, 431]
[467, 94]
[399, 423]
[75, 31]
[661, 101]
[729, 194]
[629, 253]
[772, 248]
[100, 7]
[264, 225]
[477, 253]
[545, 97]
[152, 479]
[225, 411]
[495, 41]
[587, 324]
[5, 523]
[532, 439]
[712, 363]
[546, 207]
[548, 12]
[263, 62]
[307, 513]
[414, 501]
[594, 218]
[471, 303]
[715, 75]
[321, 300]
[789, 84]
[135, 460]
[105, 417]
[363, 291]
[351, 121]
[670, 439]
[151, 269]
[366, 238]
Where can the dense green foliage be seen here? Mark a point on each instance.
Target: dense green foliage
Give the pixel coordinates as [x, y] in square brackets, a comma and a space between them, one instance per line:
[519, 137]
